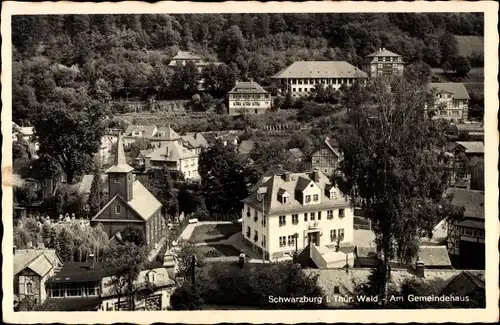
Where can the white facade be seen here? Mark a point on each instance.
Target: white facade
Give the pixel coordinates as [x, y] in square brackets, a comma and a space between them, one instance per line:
[313, 211]
[304, 86]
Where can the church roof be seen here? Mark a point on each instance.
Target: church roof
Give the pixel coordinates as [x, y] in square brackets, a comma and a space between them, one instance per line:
[120, 165]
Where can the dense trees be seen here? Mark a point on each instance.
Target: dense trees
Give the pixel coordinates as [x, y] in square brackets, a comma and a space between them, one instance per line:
[96, 199]
[123, 56]
[392, 167]
[223, 179]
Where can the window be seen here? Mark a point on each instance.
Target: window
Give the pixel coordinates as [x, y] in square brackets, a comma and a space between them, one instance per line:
[74, 291]
[29, 288]
[341, 234]
[56, 291]
[255, 236]
[319, 215]
[313, 216]
[308, 198]
[294, 89]
[315, 197]
[282, 220]
[341, 213]
[305, 217]
[300, 89]
[282, 241]
[255, 216]
[116, 180]
[249, 231]
[248, 212]
[336, 290]
[90, 290]
[285, 199]
[264, 221]
[329, 214]
[291, 240]
[333, 235]
[295, 219]
[118, 209]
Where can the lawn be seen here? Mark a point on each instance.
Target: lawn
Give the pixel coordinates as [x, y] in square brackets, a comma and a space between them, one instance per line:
[214, 232]
[219, 251]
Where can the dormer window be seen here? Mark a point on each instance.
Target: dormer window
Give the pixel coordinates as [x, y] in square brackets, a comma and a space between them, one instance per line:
[308, 199]
[118, 209]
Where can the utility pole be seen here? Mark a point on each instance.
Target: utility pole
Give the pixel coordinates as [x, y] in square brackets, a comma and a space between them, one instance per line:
[193, 271]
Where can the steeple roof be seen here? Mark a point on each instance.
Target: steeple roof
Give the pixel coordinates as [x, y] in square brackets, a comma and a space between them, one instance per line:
[120, 165]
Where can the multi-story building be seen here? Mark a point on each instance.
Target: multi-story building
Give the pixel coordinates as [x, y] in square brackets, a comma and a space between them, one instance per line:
[183, 57]
[451, 102]
[248, 98]
[302, 76]
[327, 156]
[130, 203]
[466, 238]
[32, 269]
[176, 157]
[383, 63]
[163, 135]
[287, 211]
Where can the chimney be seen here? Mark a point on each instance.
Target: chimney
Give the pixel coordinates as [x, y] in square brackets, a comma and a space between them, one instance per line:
[92, 261]
[287, 177]
[315, 176]
[383, 49]
[167, 153]
[380, 49]
[420, 269]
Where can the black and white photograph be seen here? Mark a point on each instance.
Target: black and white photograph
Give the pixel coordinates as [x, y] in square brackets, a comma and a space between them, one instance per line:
[227, 157]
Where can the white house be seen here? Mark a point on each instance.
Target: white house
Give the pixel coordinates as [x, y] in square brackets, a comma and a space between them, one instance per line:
[451, 102]
[302, 76]
[299, 208]
[248, 98]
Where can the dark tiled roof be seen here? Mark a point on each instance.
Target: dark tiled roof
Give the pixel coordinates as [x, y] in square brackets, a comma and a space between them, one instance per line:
[434, 256]
[296, 153]
[464, 283]
[78, 272]
[248, 87]
[471, 200]
[456, 88]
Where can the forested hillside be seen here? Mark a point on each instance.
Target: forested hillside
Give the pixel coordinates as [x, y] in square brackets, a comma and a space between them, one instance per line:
[108, 57]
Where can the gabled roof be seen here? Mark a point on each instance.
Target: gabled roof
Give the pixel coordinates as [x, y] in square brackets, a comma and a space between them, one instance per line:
[465, 282]
[148, 130]
[296, 153]
[471, 200]
[332, 144]
[166, 133]
[274, 181]
[143, 202]
[382, 52]
[247, 87]
[171, 151]
[120, 165]
[186, 55]
[456, 88]
[321, 69]
[434, 256]
[472, 146]
[40, 261]
[246, 146]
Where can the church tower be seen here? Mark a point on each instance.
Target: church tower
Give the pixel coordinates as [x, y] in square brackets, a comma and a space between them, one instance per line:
[120, 175]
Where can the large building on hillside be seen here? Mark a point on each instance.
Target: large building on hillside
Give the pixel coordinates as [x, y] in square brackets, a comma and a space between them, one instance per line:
[302, 76]
[383, 63]
[287, 211]
[183, 57]
[327, 156]
[248, 98]
[130, 203]
[451, 102]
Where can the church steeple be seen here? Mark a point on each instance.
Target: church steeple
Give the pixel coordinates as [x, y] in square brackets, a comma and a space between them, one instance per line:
[120, 174]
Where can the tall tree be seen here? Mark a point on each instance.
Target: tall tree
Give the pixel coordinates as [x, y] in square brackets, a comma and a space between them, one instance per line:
[70, 135]
[123, 264]
[419, 73]
[65, 246]
[393, 168]
[222, 179]
[133, 234]
[96, 197]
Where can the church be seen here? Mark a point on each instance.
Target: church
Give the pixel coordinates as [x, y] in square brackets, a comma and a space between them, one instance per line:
[130, 203]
